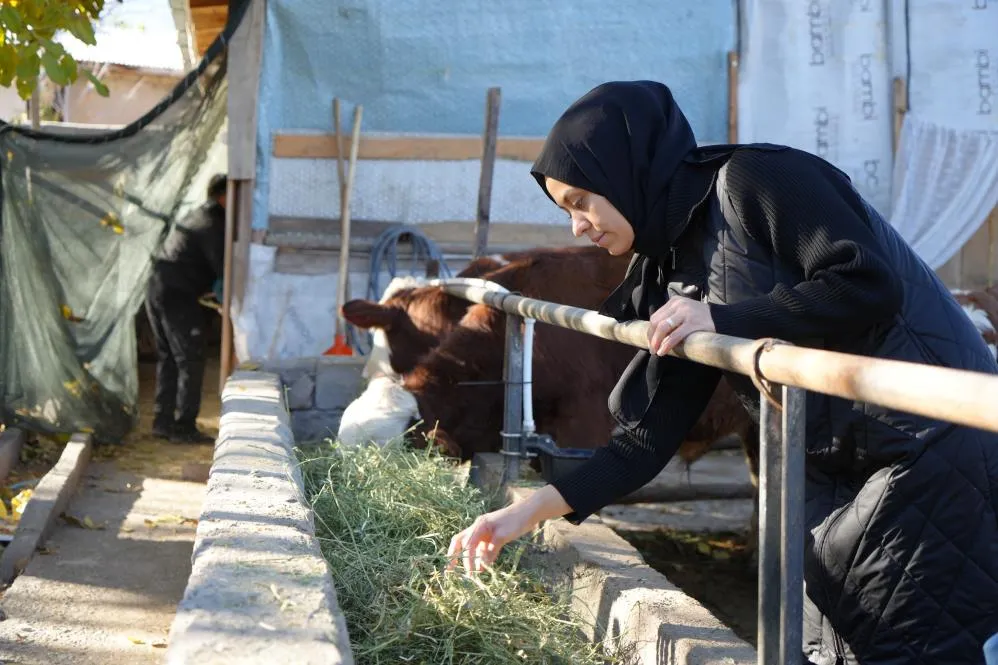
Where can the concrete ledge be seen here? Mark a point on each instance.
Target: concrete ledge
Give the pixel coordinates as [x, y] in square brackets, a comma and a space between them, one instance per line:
[316, 391]
[48, 501]
[627, 603]
[11, 442]
[259, 590]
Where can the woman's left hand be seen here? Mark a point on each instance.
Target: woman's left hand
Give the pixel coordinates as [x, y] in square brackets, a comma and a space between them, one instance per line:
[673, 321]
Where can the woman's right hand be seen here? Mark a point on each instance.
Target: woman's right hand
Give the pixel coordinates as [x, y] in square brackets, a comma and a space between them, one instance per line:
[481, 542]
[479, 545]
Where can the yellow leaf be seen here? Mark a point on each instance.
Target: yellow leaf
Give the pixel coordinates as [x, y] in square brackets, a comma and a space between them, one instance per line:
[136, 640]
[4, 515]
[89, 523]
[19, 502]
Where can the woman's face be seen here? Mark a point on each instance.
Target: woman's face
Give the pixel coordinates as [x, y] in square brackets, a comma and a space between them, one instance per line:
[592, 216]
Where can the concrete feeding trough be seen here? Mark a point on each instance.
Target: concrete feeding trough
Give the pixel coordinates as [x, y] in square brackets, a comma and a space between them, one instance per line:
[256, 533]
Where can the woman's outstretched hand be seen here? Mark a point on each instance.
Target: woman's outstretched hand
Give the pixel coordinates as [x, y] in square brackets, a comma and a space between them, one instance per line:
[674, 321]
[479, 545]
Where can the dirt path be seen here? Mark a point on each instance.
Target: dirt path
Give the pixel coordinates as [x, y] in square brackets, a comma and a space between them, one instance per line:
[106, 586]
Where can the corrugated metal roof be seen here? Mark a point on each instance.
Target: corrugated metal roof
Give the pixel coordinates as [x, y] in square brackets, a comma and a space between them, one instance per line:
[134, 33]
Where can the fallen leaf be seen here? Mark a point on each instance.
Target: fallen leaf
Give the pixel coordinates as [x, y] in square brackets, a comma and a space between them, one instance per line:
[136, 640]
[149, 523]
[85, 523]
[127, 529]
[72, 521]
[161, 644]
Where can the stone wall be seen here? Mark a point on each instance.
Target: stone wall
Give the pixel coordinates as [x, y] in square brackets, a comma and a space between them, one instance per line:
[317, 390]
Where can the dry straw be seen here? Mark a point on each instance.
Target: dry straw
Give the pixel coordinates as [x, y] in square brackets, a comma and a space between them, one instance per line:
[384, 517]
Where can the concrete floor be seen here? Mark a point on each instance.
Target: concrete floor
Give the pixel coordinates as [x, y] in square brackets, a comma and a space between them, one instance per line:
[109, 594]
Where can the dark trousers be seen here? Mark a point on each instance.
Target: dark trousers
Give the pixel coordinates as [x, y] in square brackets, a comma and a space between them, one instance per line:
[178, 325]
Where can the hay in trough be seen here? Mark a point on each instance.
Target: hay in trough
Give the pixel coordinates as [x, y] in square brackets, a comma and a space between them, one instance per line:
[384, 518]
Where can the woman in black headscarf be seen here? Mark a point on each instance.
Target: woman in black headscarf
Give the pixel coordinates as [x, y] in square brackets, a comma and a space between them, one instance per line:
[901, 556]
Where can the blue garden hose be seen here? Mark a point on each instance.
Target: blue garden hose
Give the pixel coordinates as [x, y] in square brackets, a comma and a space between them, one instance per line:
[384, 255]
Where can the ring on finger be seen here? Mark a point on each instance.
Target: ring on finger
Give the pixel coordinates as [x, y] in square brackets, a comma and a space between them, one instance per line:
[670, 323]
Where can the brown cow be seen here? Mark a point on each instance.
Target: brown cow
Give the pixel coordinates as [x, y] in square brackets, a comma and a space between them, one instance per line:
[457, 386]
[982, 308]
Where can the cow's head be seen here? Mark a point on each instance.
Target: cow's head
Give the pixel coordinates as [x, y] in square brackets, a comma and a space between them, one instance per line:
[406, 324]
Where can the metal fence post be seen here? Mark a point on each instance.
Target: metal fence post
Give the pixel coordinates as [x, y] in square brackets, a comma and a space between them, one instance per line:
[781, 528]
[512, 424]
[770, 550]
[792, 510]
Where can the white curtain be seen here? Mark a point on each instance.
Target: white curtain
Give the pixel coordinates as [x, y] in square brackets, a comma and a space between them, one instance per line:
[945, 186]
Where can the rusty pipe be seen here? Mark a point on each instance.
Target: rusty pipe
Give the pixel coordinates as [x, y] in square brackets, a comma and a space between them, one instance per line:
[958, 396]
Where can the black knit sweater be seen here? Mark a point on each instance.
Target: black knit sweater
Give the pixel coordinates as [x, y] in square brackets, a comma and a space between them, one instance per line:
[809, 220]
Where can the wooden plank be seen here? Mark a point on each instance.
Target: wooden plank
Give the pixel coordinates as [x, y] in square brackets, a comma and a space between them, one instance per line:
[900, 93]
[489, 135]
[732, 97]
[201, 4]
[210, 14]
[11, 442]
[431, 148]
[243, 240]
[992, 239]
[446, 234]
[50, 498]
[244, 82]
[231, 211]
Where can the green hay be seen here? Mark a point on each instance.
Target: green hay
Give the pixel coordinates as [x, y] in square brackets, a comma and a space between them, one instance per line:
[384, 518]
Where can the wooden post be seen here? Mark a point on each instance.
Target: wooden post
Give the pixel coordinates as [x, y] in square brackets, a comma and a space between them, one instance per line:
[231, 209]
[245, 52]
[488, 166]
[732, 97]
[992, 233]
[900, 108]
[344, 272]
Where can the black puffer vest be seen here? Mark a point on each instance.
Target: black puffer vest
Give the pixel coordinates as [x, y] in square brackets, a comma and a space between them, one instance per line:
[901, 555]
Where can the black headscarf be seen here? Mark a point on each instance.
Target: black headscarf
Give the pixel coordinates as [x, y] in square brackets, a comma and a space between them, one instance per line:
[624, 141]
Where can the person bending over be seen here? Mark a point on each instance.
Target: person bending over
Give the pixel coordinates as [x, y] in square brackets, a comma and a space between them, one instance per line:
[755, 241]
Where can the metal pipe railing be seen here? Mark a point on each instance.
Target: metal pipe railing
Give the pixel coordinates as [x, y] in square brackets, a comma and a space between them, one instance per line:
[951, 395]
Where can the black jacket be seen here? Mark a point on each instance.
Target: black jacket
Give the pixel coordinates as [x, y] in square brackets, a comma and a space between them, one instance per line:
[192, 255]
[901, 557]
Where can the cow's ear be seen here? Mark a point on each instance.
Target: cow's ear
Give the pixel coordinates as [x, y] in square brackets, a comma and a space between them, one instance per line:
[369, 314]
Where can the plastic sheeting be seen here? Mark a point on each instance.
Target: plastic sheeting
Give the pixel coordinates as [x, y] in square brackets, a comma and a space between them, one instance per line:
[815, 76]
[82, 214]
[946, 171]
[409, 192]
[294, 316]
[425, 67]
